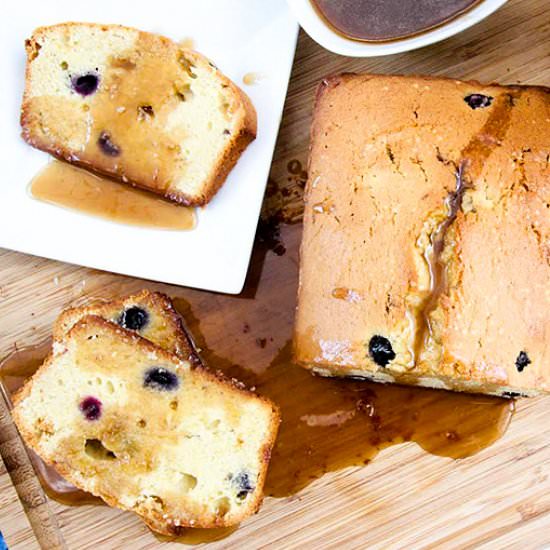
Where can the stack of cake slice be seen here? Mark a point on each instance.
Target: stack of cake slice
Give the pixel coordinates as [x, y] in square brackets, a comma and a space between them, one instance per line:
[124, 409]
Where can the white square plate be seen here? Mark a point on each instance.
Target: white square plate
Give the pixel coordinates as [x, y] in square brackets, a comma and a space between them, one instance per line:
[240, 36]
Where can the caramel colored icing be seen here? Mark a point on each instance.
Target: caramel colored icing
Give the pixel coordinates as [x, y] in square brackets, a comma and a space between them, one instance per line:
[66, 185]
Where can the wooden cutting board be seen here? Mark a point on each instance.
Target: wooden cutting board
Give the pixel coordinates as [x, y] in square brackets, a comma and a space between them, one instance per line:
[405, 497]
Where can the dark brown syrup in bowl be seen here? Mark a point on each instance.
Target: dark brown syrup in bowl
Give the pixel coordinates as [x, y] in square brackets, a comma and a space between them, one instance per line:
[378, 20]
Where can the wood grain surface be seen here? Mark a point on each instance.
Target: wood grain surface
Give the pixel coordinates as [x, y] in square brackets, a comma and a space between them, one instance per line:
[405, 498]
[14, 524]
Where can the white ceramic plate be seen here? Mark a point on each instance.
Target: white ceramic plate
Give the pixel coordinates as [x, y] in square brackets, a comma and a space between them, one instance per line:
[317, 28]
[240, 37]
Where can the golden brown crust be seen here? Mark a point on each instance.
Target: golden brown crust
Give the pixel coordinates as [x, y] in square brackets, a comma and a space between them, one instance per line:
[384, 156]
[218, 173]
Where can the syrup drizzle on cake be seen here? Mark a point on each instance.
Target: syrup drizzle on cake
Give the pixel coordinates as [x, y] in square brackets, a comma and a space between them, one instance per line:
[436, 264]
[467, 171]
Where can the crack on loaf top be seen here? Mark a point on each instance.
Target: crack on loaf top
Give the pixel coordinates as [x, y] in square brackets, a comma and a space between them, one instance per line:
[468, 169]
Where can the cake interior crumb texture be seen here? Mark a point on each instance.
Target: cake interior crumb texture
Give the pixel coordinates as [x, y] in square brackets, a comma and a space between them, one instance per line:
[134, 106]
[426, 255]
[125, 420]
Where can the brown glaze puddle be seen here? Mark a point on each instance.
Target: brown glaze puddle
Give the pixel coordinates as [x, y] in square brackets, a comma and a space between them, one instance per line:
[332, 424]
[65, 185]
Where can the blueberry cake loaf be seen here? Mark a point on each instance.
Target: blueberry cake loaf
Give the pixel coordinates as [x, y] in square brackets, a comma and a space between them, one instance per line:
[136, 107]
[150, 314]
[426, 250]
[127, 421]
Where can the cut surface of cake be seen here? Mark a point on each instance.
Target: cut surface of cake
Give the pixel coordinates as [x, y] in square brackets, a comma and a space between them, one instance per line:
[426, 250]
[150, 314]
[134, 106]
[125, 420]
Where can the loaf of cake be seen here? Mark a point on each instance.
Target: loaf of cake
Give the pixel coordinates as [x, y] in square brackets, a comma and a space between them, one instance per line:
[136, 107]
[426, 249]
[150, 314]
[146, 431]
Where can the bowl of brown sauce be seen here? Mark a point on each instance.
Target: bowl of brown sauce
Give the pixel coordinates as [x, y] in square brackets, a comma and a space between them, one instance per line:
[365, 28]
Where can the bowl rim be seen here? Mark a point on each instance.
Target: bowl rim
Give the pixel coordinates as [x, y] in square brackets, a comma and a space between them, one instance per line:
[315, 26]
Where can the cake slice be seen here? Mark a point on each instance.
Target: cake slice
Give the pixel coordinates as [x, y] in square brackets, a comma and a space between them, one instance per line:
[425, 257]
[150, 314]
[127, 421]
[136, 107]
